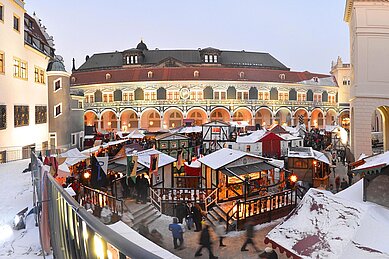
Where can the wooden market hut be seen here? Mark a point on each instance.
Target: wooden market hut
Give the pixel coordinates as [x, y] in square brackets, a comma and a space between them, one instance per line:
[216, 134]
[244, 186]
[309, 165]
[271, 145]
[172, 143]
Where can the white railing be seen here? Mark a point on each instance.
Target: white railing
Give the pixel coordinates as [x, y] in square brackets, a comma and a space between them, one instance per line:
[155, 199]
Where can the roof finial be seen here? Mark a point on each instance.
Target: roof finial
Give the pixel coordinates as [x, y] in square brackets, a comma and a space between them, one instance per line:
[74, 64]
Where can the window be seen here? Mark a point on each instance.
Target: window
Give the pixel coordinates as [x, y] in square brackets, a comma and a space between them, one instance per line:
[196, 74]
[21, 115]
[150, 95]
[1, 13]
[16, 23]
[2, 70]
[40, 114]
[215, 58]
[220, 95]
[241, 75]
[315, 79]
[263, 95]
[80, 105]
[206, 58]
[107, 76]
[57, 110]
[20, 68]
[128, 96]
[89, 98]
[282, 76]
[57, 84]
[196, 94]
[173, 95]
[301, 97]
[3, 117]
[317, 97]
[346, 80]
[242, 95]
[150, 74]
[283, 96]
[107, 97]
[331, 98]
[132, 59]
[39, 75]
[73, 137]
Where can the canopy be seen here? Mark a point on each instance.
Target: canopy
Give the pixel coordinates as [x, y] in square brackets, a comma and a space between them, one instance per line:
[136, 134]
[73, 156]
[63, 170]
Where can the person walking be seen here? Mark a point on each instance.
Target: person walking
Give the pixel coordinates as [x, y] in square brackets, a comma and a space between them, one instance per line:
[269, 253]
[337, 183]
[138, 188]
[189, 216]
[177, 232]
[249, 236]
[205, 242]
[197, 217]
[144, 189]
[334, 162]
[220, 232]
[350, 178]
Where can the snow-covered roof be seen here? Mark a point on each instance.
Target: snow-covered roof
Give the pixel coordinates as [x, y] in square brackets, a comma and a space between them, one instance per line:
[94, 149]
[289, 137]
[276, 162]
[194, 164]
[308, 152]
[127, 232]
[380, 160]
[325, 225]
[136, 134]
[239, 123]
[187, 130]
[223, 157]
[144, 158]
[73, 156]
[252, 138]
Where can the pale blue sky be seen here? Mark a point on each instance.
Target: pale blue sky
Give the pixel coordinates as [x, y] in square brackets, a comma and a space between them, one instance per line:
[302, 34]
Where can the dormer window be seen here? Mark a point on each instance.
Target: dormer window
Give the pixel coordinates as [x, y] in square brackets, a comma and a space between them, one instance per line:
[282, 76]
[241, 75]
[315, 79]
[131, 59]
[108, 76]
[206, 58]
[150, 74]
[196, 73]
[210, 58]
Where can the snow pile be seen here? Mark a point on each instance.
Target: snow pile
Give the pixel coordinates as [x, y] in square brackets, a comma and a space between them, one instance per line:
[15, 195]
[330, 226]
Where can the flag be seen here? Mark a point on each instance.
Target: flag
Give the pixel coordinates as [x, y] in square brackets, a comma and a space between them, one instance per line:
[132, 164]
[99, 177]
[154, 163]
[179, 161]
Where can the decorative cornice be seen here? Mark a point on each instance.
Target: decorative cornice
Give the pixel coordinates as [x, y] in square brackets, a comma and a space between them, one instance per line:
[348, 10]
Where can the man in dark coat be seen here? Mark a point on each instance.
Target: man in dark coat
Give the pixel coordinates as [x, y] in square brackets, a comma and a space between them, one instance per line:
[249, 236]
[144, 189]
[269, 253]
[205, 242]
[138, 187]
[181, 212]
[197, 217]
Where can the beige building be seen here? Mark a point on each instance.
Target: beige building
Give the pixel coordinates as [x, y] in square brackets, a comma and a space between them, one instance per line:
[24, 56]
[369, 38]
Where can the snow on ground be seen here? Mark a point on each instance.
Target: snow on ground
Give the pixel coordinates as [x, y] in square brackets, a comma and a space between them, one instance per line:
[15, 195]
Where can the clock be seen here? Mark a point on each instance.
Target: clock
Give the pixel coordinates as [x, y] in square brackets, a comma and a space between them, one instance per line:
[184, 93]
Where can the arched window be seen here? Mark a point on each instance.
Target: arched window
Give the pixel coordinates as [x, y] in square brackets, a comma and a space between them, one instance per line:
[150, 74]
[282, 76]
[108, 76]
[196, 74]
[241, 75]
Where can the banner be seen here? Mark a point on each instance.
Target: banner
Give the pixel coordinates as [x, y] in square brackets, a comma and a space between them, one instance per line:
[132, 165]
[154, 163]
[179, 161]
[99, 178]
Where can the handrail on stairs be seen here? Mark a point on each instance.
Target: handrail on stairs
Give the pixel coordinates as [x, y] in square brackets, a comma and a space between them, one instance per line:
[156, 202]
[210, 199]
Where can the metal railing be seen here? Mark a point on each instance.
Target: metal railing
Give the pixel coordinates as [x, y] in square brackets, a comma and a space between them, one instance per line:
[177, 195]
[211, 199]
[74, 232]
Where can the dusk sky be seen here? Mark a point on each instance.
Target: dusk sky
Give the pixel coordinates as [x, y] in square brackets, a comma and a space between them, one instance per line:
[302, 34]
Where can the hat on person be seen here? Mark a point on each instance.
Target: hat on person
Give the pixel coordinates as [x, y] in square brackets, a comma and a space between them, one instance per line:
[268, 249]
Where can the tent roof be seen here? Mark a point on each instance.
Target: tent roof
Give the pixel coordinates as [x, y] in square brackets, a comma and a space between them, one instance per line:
[73, 156]
[144, 158]
[325, 225]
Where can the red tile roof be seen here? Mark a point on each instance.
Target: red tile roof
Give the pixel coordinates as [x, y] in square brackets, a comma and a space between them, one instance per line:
[186, 74]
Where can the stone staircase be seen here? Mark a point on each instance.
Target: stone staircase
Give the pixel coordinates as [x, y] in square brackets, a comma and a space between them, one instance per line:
[142, 212]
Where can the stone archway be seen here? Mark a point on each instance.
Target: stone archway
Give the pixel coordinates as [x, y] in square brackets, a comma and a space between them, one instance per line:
[283, 116]
[242, 114]
[172, 118]
[91, 119]
[344, 119]
[129, 121]
[150, 120]
[317, 119]
[108, 120]
[198, 115]
[220, 114]
[301, 112]
[263, 117]
[330, 118]
[380, 128]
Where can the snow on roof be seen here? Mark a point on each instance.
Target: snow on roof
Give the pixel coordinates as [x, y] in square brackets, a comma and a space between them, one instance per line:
[144, 158]
[362, 156]
[94, 149]
[194, 164]
[289, 137]
[308, 152]
[73, 156]
[331, 128]
[325, 225]
[276, 162]
[380, 160]
[135, 134]
[223, 157]
[124, 230]
[252, 138]
[192, 129]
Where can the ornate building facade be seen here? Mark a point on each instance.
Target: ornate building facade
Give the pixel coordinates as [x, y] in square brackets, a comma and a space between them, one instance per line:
[25, 50]
[162, 89]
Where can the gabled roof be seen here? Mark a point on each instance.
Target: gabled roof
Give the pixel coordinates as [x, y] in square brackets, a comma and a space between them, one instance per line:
[223, 157]
[270, 136]
[252, 138]
[144, 158]
[276, 128]
[375, 161]
[216, 123]
[308, 152]
[171, 136]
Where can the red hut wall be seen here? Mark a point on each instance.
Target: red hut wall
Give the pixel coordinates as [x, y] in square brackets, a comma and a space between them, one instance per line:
[271, 145]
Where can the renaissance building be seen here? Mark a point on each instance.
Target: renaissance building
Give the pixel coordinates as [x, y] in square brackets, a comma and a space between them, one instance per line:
[25, 50]
[162, 89]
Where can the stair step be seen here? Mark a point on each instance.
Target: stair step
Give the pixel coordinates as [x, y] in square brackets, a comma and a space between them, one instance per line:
[220, 213]
[148, 221]
[145, 216]
[214, 215]
[141, 209]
